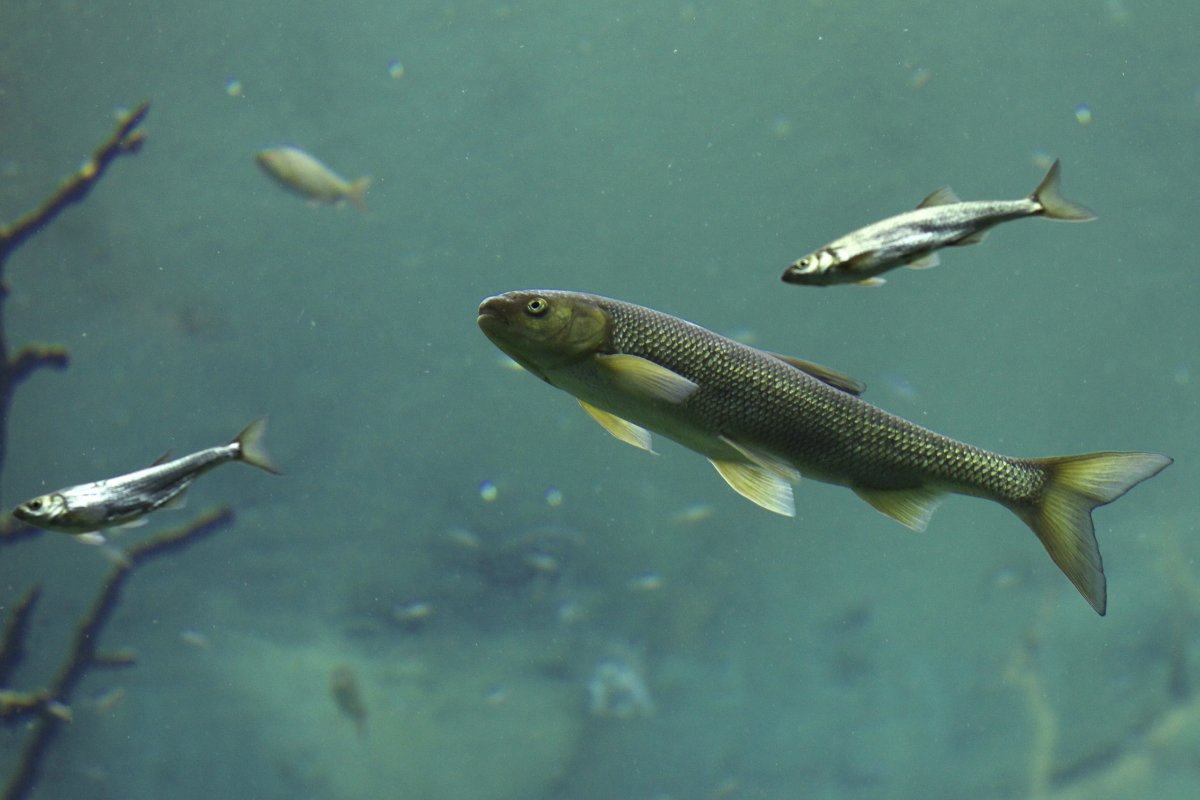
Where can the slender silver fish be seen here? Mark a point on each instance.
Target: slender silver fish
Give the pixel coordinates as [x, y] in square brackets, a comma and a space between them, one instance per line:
[125, 499]
[763, 420]
[911, 239]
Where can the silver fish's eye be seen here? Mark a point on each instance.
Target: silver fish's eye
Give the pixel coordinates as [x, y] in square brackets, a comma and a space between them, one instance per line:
[34, 505]
[537, 306]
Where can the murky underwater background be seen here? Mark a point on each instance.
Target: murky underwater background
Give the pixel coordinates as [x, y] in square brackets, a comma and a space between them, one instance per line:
[531, 609]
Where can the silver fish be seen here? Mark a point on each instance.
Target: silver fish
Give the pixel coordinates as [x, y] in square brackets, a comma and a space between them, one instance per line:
[125, 499]
[911, 239]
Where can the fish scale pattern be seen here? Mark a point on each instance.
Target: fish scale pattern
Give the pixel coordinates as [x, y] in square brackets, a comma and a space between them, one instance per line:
[767, 404]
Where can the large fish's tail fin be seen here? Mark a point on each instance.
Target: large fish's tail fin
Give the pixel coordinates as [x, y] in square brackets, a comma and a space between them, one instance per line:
[251, 448]
[1054, 205]
[1062, 518]
[356, 192]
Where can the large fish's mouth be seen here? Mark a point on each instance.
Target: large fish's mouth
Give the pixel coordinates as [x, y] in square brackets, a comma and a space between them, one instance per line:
[492, 311]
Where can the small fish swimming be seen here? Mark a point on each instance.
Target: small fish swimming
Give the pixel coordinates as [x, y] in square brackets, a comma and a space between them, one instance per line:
[347, 696]
[763, 420]
[297, 170]
[124, 500]
[911, 239]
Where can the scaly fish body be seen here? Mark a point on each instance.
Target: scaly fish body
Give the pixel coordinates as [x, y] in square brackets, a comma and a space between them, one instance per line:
[912, 238]
[763, 420]
[125, 499]
[302, 173]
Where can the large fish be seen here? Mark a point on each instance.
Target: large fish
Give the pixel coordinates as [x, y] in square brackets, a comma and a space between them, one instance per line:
[763, 420]
[911, 239]
[124, 500]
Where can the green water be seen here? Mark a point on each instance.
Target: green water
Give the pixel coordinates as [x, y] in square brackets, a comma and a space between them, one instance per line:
[677, 155]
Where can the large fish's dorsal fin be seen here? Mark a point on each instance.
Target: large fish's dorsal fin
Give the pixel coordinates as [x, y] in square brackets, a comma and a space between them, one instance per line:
[910, 507]
[164, 458]
[942, 197]
[832, 377]
[758, 485]
[643, 376]
[623, 429]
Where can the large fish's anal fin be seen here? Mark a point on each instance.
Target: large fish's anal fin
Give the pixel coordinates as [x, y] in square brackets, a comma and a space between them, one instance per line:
[910, 507]
[623, 429]
[646, 378]
[837, 380]
[871, 282]
[758, 485]
[942, 197]
[1062, 519]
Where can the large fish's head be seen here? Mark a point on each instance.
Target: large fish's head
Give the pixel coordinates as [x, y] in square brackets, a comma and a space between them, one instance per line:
[47, 511]
[545, 330]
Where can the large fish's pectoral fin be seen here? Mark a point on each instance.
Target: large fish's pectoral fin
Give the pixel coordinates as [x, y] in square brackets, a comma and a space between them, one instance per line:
[837, 380]
[643, 376]
[623, 429]
[942, 197]
[872, 282]
[758, 485]
[910, 507]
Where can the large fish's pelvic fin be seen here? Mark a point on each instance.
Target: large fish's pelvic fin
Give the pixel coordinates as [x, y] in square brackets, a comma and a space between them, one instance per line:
[1054, 205]
[1062, 519]
[623, 429]
[758, 484]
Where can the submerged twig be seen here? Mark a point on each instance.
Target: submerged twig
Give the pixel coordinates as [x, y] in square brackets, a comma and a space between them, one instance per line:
[50, 708]
[127, 138]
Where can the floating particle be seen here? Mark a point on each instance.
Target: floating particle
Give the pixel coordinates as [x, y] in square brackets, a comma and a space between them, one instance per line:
[412, 611]
[554, 497]
[570, 611]
[395, 69]
[1041, 159]
[496, 694]
[233, 87]
[781, 127]
[543, 562]
[1181, 374]
[919, 77]
[1083, 114]
[193, 638]
[648, 581]
[108, 700]
[696, 512]
[468, 540]
[488, 491]
[900, 386]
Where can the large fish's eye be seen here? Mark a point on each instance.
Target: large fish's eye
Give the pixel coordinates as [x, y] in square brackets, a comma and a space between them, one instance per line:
[537, 306]
[35, 505]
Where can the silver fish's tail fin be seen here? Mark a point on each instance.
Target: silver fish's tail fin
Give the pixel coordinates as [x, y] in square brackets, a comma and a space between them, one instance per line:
[1062, 518]
[1054, 205]
[251, 448]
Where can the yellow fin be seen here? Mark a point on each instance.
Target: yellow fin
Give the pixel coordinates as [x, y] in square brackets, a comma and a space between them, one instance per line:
[624, 430]
[910, 507]
[765, 460]
[646, 378]
[1062, 519]
[832, 377]
[758, 485]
